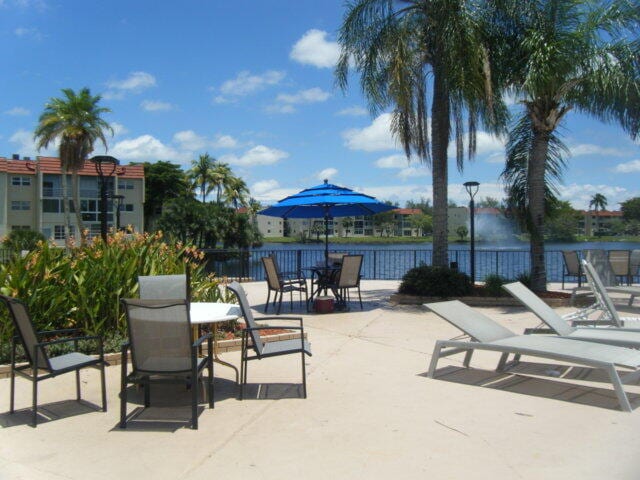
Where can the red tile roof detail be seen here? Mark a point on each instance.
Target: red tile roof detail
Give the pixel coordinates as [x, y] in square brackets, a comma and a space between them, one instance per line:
[407, 211]
[603, 213]
[52, 165]
[487, 211]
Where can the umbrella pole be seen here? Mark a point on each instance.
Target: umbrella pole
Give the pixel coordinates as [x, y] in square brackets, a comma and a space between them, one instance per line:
[326, 239]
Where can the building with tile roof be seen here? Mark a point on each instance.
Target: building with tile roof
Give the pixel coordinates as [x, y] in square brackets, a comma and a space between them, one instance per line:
[31, 197]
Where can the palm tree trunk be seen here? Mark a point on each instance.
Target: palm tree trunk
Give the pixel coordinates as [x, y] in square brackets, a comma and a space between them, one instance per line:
[536, 187]
[66, 208]
[75, 186]
[440, 129]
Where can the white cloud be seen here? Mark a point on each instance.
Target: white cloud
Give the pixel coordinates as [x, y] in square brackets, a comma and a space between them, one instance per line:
[412, 172]
[26, 145]
[392, 161]
[258, 155]
[590, 149]
[17, 112]
[285, 101]
[146, 147]
[190, 140]
[327, 173]
[486, 144]
[580, 195]
[264, 186]
[314, 49]
[353, 111]
[31, 32]
[375, 137]
[269, 192]
[628, 167]
[156, 106]
[245, 84]
[136, 82]
[118, 129]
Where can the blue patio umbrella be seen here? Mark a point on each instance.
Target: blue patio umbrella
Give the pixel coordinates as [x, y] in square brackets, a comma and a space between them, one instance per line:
[326, 201]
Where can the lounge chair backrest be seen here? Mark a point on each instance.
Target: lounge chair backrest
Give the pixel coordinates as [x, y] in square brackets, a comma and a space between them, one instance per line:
[236, 288]
[634, 262]
[23, 325]
[350, 271]
[538, 306]
[600, 262]
[160, 335]
[600, 292]
[335, 258]
[158, 287]
[571, 262]
[271, 271]
[619, 261]
[473, 323]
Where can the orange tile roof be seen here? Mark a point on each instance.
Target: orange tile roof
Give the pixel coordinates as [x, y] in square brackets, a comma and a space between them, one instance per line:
[52, 165]
[487, 211]
[407, 211]
[602, 213]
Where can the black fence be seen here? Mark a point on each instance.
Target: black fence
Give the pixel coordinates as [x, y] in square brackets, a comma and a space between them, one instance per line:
[380, 264]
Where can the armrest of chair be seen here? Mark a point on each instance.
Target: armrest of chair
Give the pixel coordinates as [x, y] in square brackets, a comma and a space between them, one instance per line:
[201, 340]
[273, 327]
[63, 331]
[70, 339]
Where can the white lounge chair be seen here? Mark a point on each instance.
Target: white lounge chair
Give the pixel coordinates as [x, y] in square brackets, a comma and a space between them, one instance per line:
[612, 336]
[610, 314]
[488, 335]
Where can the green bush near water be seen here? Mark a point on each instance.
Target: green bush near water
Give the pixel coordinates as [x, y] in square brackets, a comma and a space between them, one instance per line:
[431, 281]
[82, 287]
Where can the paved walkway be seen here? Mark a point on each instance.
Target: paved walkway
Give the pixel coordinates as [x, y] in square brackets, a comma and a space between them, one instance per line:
[371, 413]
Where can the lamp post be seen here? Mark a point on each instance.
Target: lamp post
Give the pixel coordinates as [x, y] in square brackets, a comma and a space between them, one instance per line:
[105, 167]
[119, 200]
[472, 188]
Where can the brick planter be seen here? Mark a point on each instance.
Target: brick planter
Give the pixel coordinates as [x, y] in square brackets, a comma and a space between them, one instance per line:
[404, 299]
[224, 346]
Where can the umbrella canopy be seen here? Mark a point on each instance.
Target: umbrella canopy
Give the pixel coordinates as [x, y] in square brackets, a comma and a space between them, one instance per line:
[326, 201]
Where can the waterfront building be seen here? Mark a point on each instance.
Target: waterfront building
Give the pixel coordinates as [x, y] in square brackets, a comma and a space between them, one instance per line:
[31, 197]
[601, 220]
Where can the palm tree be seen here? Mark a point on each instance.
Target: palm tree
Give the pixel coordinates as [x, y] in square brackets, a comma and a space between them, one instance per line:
[565, 55]
[220, 176]
[401, 50]
[201, 174]
[598, 202]
[75, 122]
[236, 192]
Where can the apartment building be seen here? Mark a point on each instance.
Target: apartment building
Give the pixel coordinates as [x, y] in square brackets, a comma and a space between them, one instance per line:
[31, 197]
[593, 221]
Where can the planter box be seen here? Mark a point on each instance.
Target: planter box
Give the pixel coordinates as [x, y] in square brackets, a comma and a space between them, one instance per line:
[404, 299]
[224, 346]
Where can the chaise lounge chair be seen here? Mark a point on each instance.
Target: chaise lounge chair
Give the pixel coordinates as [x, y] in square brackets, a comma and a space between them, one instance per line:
[488, 335]
[612, 336]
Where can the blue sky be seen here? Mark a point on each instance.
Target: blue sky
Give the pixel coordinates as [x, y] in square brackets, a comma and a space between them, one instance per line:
[251, 82]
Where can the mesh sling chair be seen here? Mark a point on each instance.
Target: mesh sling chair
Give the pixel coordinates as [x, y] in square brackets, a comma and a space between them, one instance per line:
[572, 267]
[162, 351]
[251, 339]
[157, 287]
[348, 277]
[40, 366]
[278, 283]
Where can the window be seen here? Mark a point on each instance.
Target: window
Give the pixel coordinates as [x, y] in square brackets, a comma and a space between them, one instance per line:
[20, 227]
[58, 232]
[51, 205]
[20, 205]
[21, 181]
[127, 207]
[124, 184]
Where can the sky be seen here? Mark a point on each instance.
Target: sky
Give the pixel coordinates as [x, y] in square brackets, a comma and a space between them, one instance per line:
[252, 83]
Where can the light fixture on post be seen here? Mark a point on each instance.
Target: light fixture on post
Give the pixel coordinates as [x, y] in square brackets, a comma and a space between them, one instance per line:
[105, 167]
[472, 188]
[119, 200]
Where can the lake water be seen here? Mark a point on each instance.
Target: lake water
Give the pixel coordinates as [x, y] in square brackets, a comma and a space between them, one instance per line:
[391, 261]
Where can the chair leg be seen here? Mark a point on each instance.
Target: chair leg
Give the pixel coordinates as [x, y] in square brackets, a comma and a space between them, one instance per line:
[266, 305]
[34, 418]
[13, 387]
[147, 392]
[195, 386]
[617, 385]
[360, 297]
[104, 387]
[123, 392]
[280, 302]
[210, 392]
[78, 396]
[434, 360]
[304, 377]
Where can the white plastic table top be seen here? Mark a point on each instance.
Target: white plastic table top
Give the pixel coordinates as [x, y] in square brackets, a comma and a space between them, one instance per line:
[212, 312]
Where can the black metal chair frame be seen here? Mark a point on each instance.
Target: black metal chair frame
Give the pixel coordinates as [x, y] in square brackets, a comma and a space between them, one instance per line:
[341, 292]
[31, 369]
[285, 283]
[567, 273]
[251, 339]
[144, 378]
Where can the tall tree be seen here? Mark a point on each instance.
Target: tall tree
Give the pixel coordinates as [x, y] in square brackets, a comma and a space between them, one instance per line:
[201, 174]
[562, 55]
[598, 202]
[76, 122]
[163, 181]
[236, 192]
[407, 51]
[220, 176]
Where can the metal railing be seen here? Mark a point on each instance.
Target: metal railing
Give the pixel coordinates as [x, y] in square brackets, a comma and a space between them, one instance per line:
[380, 264]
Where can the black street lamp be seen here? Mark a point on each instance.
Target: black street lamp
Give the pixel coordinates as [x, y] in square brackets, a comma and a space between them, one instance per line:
[105, 167]
[119, 200]
[472, 188]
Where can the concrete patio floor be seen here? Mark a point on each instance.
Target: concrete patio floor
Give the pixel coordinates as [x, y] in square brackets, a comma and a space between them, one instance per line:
[371, 412]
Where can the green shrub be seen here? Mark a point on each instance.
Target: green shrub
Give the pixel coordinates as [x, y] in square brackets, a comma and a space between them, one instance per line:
[435, 282]
[525, 279]
[493, 285]
[82, 288]
[19, 240]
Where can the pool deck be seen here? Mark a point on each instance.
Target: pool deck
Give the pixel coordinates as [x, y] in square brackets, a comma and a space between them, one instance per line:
[371, 412]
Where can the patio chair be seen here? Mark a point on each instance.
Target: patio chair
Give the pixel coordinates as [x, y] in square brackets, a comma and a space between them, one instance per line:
[348, 277]
[280, 284]
[485, 334]
[40, 366]
[612, 336]
[158, 287]
[634, 264]
[620, 264]
[610, 315]
[599, 259]
[252, 341]
[335, 258]
[572, 267]
[162, 351]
